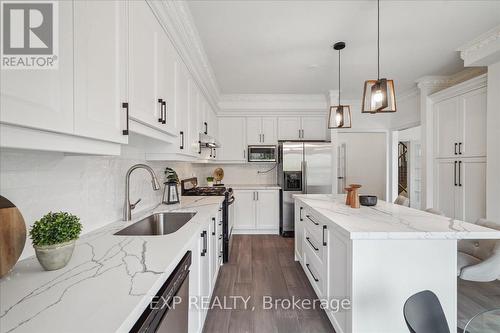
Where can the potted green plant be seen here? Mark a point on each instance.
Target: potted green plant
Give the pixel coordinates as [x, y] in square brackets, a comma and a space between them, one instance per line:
[210, 181]
[54, 237]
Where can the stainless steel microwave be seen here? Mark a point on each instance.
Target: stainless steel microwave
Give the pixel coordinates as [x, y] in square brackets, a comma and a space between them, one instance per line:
[262, 154]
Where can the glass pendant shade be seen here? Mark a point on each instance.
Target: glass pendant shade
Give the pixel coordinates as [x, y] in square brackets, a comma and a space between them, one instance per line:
[340, 117]
[379, 96]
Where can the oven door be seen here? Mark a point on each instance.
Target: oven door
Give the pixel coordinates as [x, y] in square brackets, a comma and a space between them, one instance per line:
[262, 153]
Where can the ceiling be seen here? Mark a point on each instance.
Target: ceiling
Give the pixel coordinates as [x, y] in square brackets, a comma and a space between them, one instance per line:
[284, 47]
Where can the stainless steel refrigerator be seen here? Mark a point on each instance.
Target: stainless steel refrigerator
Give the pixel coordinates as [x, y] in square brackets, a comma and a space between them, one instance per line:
[304, 167]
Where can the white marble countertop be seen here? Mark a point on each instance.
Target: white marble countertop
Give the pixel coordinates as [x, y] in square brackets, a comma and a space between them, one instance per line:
[390, 221]
[108, 282]
[254, 186]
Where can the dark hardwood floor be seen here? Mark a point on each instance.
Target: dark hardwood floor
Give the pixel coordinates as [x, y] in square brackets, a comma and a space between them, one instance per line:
[263, 265]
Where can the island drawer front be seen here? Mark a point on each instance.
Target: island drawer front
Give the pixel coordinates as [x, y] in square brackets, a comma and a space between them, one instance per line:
[315, 271]
[315, 245]
[312, 223]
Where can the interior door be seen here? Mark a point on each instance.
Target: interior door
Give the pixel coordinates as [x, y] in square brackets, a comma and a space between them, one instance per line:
[244, 209]
[289, 128]
[473, 123]
[254, 136]
[101, 41]
[472, 193]
[318, 167]
[43, 99]
[314, 128]
[446, 124]
[444, 194]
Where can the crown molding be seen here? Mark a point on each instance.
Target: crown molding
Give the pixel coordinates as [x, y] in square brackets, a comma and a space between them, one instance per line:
[477, 82]
[435, 83]
[273, 102]
[178, 23]
[483, 50]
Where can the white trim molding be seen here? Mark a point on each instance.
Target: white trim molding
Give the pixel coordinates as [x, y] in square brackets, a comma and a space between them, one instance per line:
[483, 50]
[181, 29]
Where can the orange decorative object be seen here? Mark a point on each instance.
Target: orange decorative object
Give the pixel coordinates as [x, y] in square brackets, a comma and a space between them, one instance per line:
[355, 195]
[348, 196]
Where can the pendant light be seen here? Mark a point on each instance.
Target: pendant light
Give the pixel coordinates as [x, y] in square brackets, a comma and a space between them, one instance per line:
[340, 115]
[379, 95]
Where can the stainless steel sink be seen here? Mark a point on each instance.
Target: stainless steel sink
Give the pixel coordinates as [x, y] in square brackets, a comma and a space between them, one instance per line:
[157, 224]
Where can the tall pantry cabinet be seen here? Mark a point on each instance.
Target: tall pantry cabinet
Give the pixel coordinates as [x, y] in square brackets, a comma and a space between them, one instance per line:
[460, 150]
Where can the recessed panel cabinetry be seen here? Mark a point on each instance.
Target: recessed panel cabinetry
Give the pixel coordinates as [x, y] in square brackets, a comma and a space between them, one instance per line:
[302, 128]
[261, 131]
[256, 211]
[460, 150]
[232, 138]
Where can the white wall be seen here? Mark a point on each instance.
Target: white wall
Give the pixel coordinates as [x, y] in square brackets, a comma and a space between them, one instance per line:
[238, 173]
[90, 187]
[366, 161]
[408, 112]
[492, 142]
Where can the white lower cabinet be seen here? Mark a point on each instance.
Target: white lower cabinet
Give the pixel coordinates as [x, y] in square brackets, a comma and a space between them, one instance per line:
[325, 256]
[205, 264]
[256, 211]
[460, 188]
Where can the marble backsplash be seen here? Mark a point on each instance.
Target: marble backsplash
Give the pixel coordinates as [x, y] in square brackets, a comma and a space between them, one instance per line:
[91, 187]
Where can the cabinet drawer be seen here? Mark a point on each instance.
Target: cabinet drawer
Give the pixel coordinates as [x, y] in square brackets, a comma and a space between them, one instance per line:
[315, 245]
[315, 271]
[312, 223]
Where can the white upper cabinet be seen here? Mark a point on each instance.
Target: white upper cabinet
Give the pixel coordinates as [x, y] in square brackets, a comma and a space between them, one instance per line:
[314, 128]
[302, 128]
[100, 69]
[151, 71]
[472, 132]
[254, 133]
[43, 99]
[232, 138]
[194, 116]
[289, 128]
[182, 106]
[261, 131]
[460, 125]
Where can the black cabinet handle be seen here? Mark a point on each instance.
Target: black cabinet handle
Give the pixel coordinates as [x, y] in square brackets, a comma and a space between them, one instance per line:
[310, 219]
[125, 106]
[160, 119]
[324, 240]
[460, 148]
[211, 152]
[204, 250]
[315, 278]
[164, 108]
[213, 220]
[215, 151]
[199, 147]
[182, 140]
[314, 247]
[456, 148]
[206, 127]
[300, 214]
[459, 173]
[455, 173]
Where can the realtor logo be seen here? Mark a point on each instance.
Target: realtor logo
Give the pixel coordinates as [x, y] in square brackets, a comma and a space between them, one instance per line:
[29, 35]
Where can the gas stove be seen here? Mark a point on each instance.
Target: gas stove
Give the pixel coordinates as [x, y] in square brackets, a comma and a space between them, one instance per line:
[189, 187]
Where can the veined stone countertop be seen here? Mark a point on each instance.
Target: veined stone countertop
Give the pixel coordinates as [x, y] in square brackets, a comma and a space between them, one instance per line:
[254, 186]
[391, 221]
[108, 282]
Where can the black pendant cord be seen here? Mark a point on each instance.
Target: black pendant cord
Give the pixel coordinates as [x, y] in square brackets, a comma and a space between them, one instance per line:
[378, 40]
[339, 77]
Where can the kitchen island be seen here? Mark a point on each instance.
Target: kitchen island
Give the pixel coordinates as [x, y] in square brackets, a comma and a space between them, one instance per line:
[374, 258]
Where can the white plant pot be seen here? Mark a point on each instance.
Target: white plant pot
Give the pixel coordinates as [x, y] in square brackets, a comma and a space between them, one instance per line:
[56, 256]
